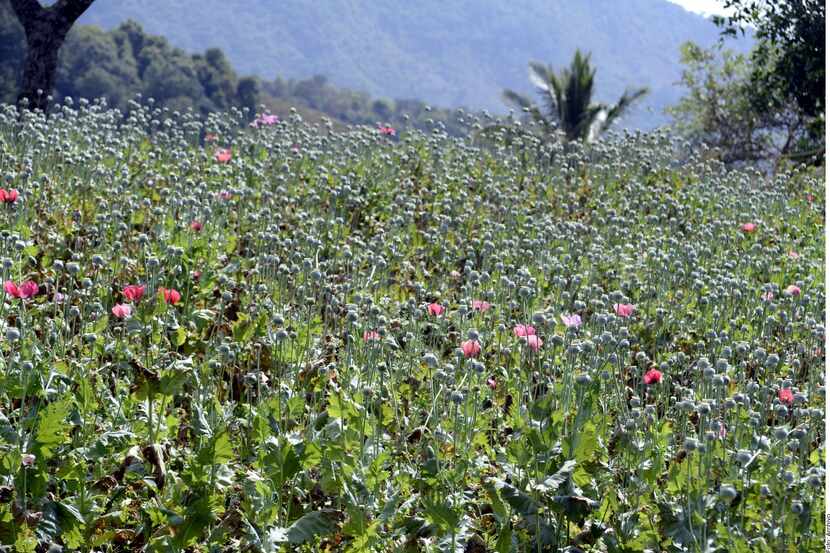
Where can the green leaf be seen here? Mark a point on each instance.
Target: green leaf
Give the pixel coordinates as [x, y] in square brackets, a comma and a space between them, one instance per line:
[305, 529]
[575, 507]
[230, 245]
[223, 450]
[522, 503]
[53, 426]
[217, 451]
[70, 511]
[86, 395]
[499, 509]
[357, 523]
[243, 328]
[587, 443]
[341, 408]
[552, 482]
[312, 455]
[101, 324]
[441, 515]
[505, 541]
[181, 336]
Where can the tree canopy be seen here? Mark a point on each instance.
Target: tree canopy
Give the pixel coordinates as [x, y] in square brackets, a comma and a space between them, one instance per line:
[789, 61]
[719, 111]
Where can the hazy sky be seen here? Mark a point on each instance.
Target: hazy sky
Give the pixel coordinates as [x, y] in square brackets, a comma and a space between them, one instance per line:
[702, 6]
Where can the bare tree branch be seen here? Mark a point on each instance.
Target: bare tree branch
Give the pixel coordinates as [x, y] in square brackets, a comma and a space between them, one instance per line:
[70, 10]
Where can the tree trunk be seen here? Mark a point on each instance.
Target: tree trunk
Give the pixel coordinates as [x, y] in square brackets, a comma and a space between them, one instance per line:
[43, 41]
[46, 29]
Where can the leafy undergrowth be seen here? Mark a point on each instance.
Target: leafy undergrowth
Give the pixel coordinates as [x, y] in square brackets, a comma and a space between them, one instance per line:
[296, 338]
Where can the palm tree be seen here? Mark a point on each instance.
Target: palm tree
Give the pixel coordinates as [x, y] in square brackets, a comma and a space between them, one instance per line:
[567, 100]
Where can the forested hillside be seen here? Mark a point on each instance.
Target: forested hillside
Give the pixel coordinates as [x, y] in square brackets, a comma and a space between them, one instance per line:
[460, 53]
[126, 61]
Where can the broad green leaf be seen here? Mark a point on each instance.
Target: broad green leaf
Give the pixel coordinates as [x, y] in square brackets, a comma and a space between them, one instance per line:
[505, 541]
[305, 529]
[53, 426]
[223, 451]
[441, 514]
[522, 503]
[312, 455]
[552, 482]
[575, 507]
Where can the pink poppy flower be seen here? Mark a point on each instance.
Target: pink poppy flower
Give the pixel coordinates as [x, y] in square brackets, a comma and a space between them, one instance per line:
[11, 289]
[810, 198]
[122, 310]
[480, 306]
[491, 382]
[196, 226]
[371, 335]
[435, 309]
[471, 348]
[786, 396]
[27, 460]
[571, 321]
[748, 227]
[793, 290]
[196, 275]
[8, 196]
[792, 254]
[767, 296]
[225, 195]
[25, 290]
[265, 120]
[133, 292]
[521, 330]
[652, 376]
[171, 295]
[223, 155]
[533, 342]
[28, 289]
[624, 310]
[386, 131]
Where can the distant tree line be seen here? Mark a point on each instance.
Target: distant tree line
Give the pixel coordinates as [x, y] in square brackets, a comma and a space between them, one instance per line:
[126, 61]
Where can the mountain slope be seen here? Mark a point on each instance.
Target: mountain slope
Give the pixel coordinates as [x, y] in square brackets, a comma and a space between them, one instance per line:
[463, 52]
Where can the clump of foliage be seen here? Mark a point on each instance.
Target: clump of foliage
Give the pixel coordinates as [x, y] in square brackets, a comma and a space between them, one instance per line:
[789, 61]
[294, 337]
[719, 110]
[768, 107]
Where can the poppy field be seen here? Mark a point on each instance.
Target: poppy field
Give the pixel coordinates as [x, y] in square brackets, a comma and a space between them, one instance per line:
[278, 336]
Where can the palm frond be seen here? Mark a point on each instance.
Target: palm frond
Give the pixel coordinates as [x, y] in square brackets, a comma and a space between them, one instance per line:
[513, 98]
[588, 122]
[622, 105]
[539, 75]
